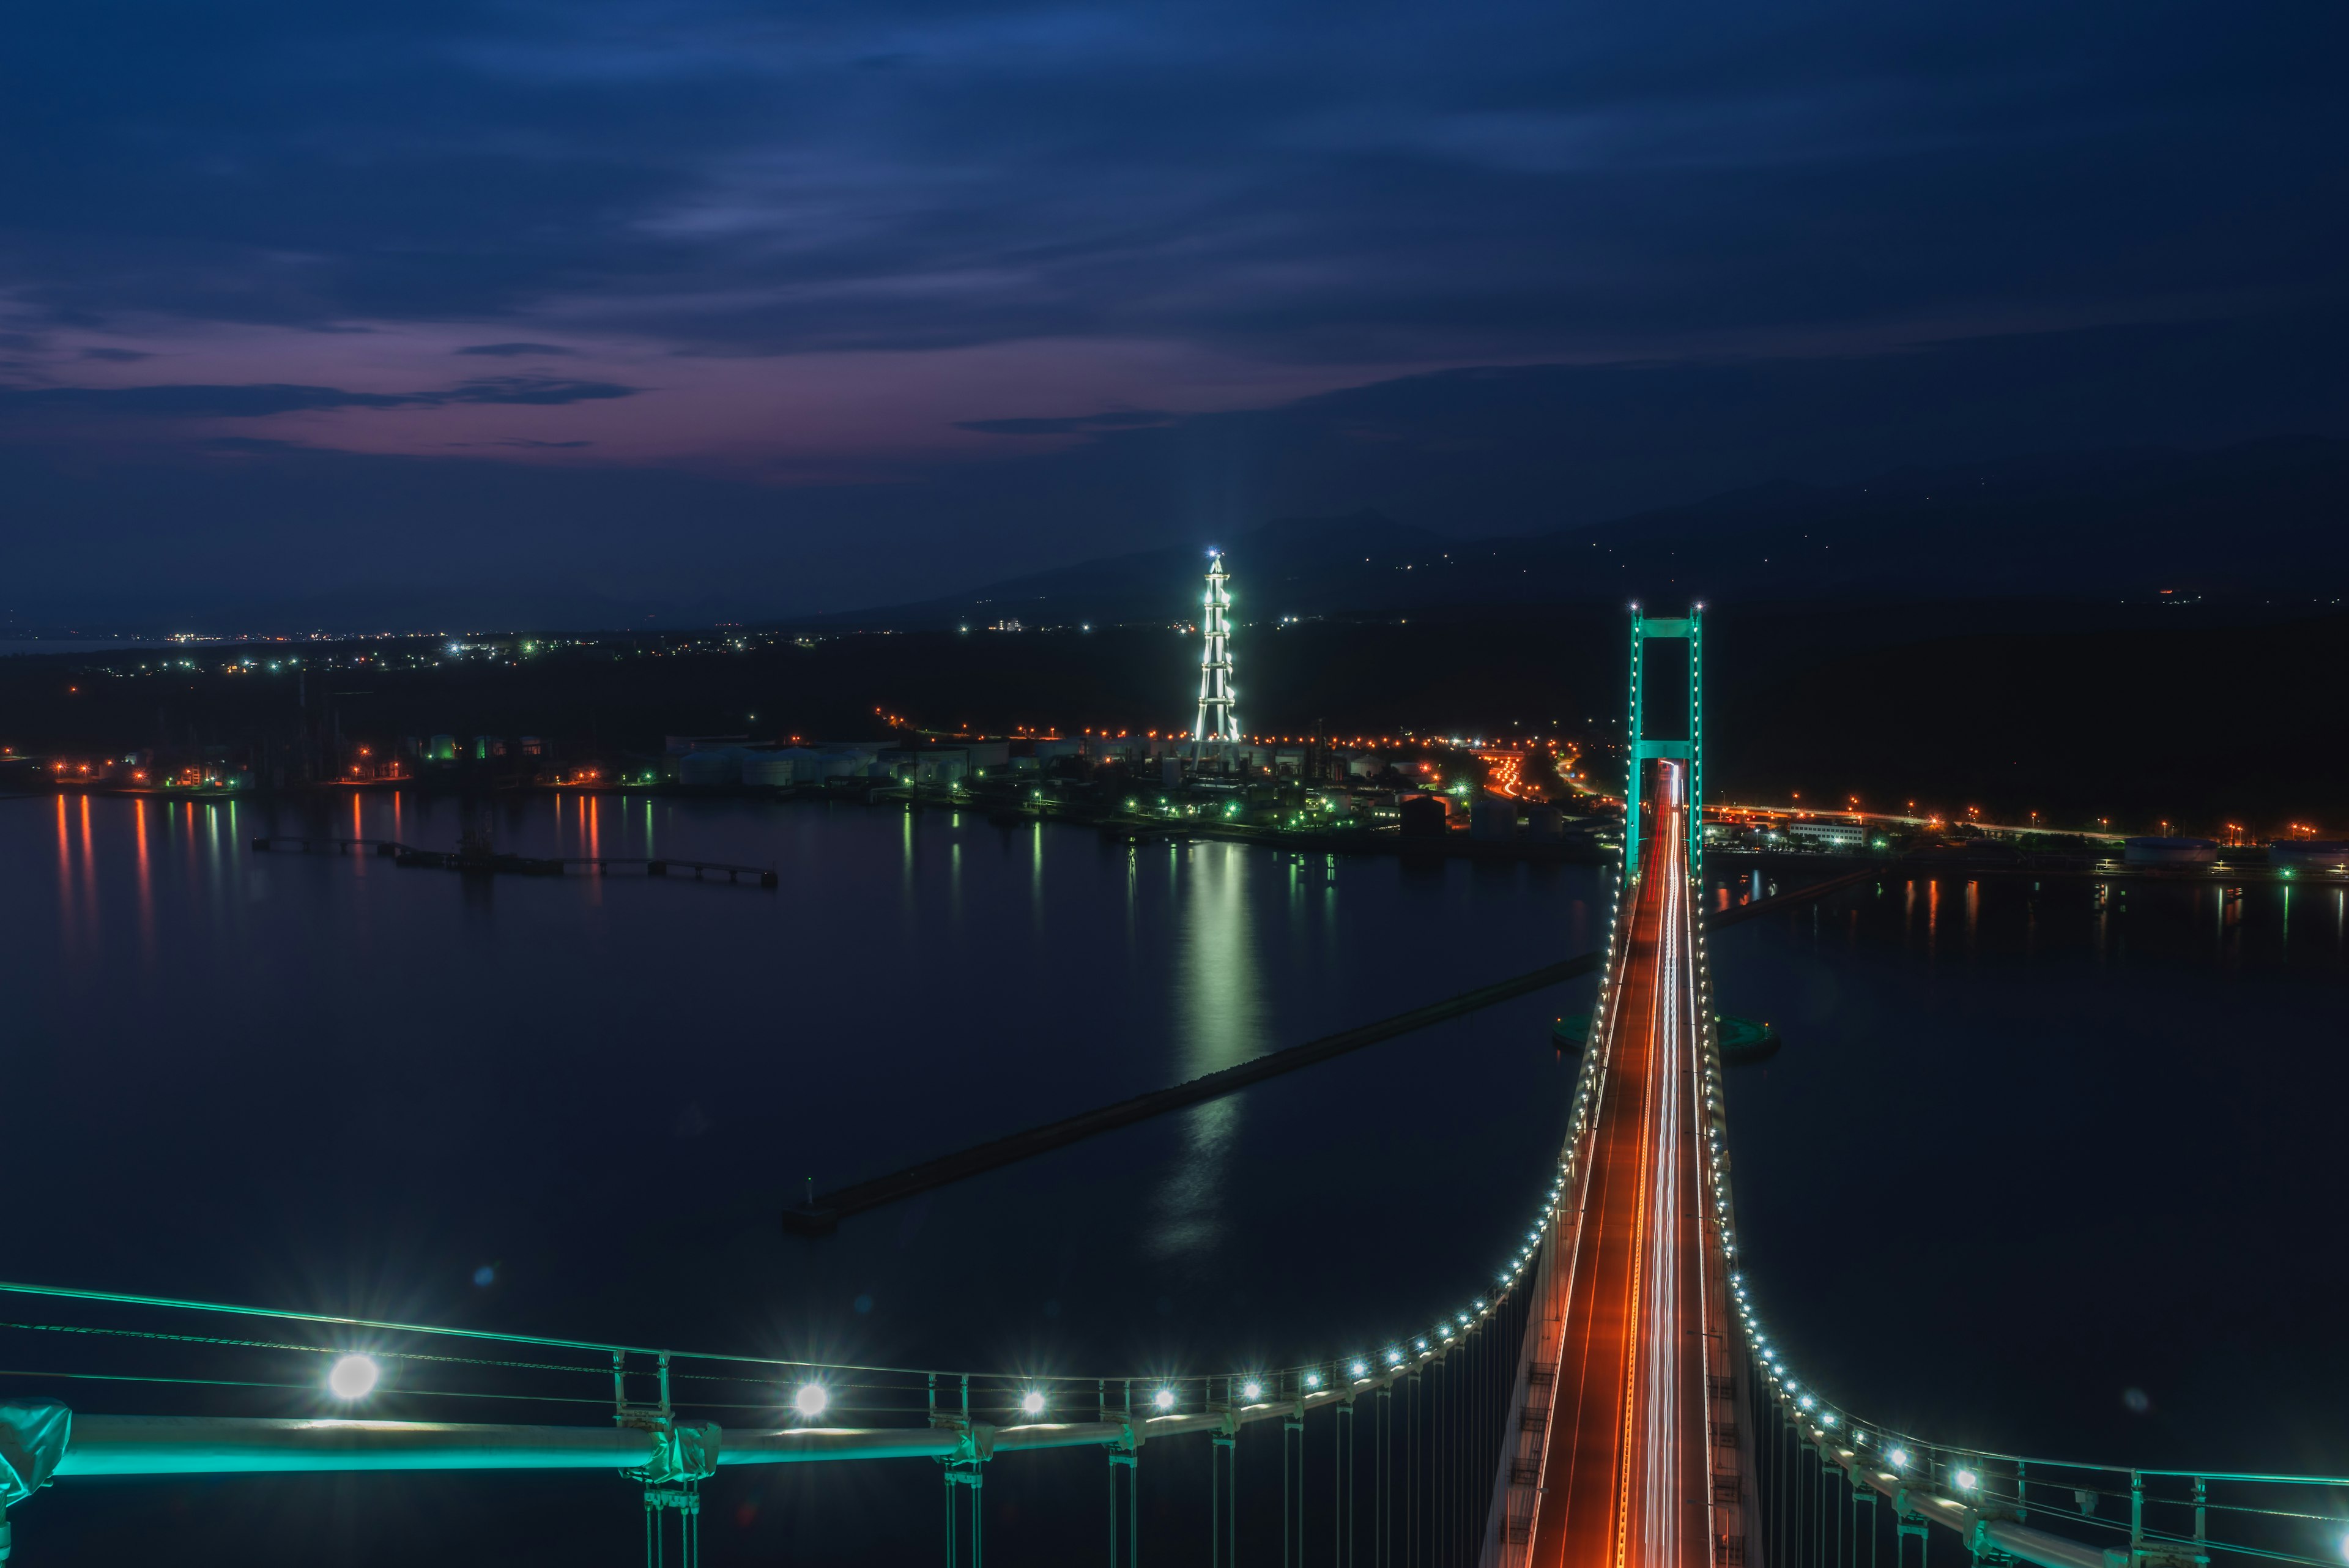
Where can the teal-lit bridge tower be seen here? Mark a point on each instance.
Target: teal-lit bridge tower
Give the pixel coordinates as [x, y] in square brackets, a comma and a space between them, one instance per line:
[1639, 750]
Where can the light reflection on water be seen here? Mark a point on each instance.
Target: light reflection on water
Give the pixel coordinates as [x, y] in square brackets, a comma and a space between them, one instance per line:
[1218, 1021]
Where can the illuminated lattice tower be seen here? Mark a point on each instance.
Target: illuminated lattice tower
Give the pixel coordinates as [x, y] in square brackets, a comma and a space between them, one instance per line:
[1639, 749]
[1217, 725]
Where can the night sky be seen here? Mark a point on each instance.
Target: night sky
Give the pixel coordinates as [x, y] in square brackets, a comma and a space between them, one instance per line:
[711, 310]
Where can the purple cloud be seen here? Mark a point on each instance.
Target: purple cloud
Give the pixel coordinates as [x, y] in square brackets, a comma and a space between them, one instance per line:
[261, 400]
[515, 351]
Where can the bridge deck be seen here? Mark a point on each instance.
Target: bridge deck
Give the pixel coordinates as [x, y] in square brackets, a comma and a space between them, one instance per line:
[1626, 1474]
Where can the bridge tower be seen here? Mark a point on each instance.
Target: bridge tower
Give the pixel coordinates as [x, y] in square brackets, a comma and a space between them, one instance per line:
[1217, 724]
[1639, 749]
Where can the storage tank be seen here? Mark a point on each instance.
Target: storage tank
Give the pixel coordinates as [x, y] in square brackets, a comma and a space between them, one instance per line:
[715, 765]
[1544, 824]
[2310, 854]
[1425, 815]
[1493, 818]
[769, 770]
[2170, 851]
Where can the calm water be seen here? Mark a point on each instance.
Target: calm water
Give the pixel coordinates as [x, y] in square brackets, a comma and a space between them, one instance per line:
[2060, 1178]
[2020, 1156]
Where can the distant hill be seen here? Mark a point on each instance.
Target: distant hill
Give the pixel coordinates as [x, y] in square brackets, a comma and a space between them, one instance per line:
[2268, 519]
[1308, 562]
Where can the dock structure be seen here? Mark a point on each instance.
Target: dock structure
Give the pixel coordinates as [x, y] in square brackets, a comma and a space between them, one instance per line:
[515, 864]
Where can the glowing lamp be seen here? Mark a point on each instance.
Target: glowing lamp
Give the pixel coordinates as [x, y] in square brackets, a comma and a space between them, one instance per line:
[811, 1399]
[353, 1378]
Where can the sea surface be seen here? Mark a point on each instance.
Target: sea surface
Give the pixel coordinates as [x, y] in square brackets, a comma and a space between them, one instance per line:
[2039, 1168]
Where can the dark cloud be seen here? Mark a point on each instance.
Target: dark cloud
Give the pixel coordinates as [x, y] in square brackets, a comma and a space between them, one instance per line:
[258, 400]
[239, 402]
[1078, 424]
[514, 350]
[534, 389]
[257, 446]
[1797, 239]
[1515, 450]
[1287, 181]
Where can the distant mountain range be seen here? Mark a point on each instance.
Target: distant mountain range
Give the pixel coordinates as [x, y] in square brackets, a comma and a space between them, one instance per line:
[2268, 520]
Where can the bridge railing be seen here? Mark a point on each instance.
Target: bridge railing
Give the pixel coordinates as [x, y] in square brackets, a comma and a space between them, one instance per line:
[1411, 1424]
[1835, 1488]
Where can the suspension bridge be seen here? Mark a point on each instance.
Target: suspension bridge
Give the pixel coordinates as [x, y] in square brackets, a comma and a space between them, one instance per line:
[1608, 1397]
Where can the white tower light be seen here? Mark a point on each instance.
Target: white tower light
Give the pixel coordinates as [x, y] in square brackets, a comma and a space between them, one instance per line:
[1217, 724]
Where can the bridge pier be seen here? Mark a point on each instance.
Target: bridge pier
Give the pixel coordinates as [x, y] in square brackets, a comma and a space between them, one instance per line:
[1413, 1513]
[1862, 1492]
[685, 1501]
[1124, 1454]
[1823, 1552]
[1130, 1461]
[1343, 1542]
[1292, 1488]
[964, 1477]
[1912, 1524]
[1223, 1499]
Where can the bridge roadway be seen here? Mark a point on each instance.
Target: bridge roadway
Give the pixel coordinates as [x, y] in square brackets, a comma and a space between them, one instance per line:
[1627, 1475]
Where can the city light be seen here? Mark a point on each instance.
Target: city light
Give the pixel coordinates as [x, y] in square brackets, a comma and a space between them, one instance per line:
[1031, 1403]
[1251, 1390]
[811, 1400]
[353, 1378]
[1163, 1400]
[1967, 1480]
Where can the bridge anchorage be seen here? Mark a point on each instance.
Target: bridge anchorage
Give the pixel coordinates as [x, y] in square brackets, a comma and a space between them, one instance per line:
[1609, 1395]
